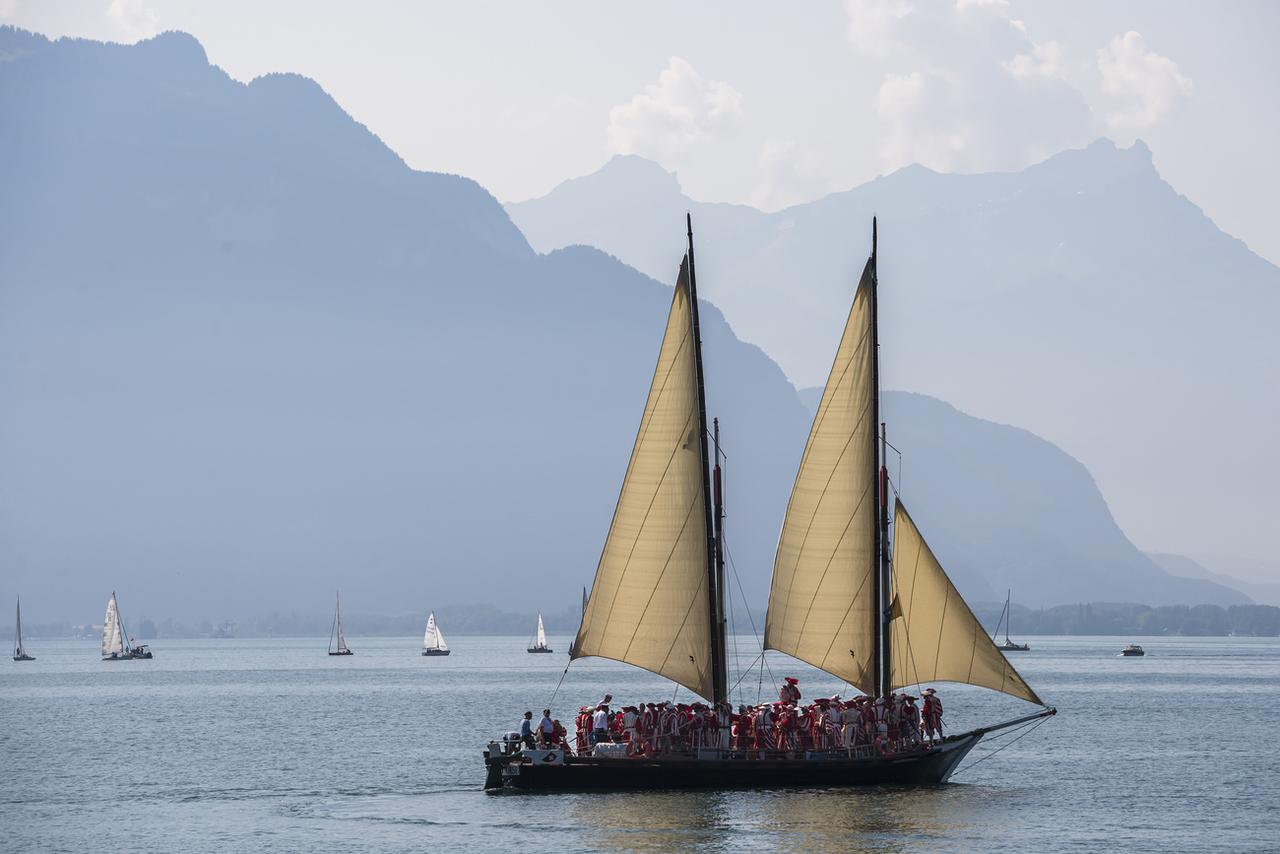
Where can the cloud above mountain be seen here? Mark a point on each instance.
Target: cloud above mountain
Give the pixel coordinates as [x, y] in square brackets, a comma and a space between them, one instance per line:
[965, 86]
[666, 118]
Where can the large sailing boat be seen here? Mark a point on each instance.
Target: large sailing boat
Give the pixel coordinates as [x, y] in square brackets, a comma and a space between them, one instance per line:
[341, 647]
[433, 641]
[1006, 617]
[116, 643]
[840, 599]
[540, 639]
[19, 649]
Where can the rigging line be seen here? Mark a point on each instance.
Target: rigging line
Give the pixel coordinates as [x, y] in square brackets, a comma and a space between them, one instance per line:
[733, 566]
[733, 639]
[982, 759]
[551, 702]
[747, 672]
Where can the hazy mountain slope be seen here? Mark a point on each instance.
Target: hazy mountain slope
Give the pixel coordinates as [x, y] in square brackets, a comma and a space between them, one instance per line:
[1261, 592]
[1007, 507]
[248, 356]
[1081, 298]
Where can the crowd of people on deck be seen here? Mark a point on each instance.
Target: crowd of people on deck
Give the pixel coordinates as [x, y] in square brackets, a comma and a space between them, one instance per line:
[883, 725]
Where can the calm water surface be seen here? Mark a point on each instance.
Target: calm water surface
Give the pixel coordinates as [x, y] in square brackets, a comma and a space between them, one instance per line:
[271, 745]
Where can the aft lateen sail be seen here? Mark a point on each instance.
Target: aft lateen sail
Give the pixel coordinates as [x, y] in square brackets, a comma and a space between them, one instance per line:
[433, 639]
[823, 597]
[112, 636]
[935, 635]
[649, 603]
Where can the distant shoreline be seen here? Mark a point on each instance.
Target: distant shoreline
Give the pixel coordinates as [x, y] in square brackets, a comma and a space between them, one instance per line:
[1094, 619]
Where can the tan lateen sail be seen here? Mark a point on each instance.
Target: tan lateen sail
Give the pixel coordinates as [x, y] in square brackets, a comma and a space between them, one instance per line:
[649, 601]
[823, 597]
[935, 637]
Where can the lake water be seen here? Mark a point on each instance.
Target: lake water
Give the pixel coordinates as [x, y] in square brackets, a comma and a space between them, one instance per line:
[271, 745]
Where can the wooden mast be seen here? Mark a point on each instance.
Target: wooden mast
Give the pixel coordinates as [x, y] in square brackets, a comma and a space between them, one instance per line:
[882, 602]
[719, 673]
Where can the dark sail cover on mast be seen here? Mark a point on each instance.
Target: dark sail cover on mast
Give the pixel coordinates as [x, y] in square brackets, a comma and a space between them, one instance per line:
[649, 602]
[822, 601]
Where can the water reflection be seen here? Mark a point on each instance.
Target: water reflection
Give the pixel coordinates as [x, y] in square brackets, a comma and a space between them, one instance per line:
[654, 821]
[813, 820]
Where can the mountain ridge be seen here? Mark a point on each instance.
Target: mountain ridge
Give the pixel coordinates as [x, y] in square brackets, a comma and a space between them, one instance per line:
[252, 355]
[1124, 304]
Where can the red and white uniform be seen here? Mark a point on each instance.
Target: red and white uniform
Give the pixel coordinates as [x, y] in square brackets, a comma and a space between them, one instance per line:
[932, 715]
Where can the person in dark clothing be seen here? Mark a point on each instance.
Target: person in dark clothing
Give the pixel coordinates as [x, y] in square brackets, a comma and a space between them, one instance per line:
[526, 730]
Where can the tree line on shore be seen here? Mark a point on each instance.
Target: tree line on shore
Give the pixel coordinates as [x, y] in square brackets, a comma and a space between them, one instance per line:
[1103, 618]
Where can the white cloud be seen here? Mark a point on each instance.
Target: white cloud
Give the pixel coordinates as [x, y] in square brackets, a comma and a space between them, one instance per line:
[790, 173]
[873, 24]
[667, 118]
[133, 18]
[964, 86]
[1046, 60]
[1141, 86]
[966, 89]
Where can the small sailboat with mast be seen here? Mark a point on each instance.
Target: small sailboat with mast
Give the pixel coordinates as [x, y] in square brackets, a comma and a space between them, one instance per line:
[540, 639]
[116, 643]
[433, 640]
[1006, 617]
[335, 633]
[19, 648]
[841, 599]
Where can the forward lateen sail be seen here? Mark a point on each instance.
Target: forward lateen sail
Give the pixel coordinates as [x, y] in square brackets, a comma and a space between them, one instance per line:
[649, 602]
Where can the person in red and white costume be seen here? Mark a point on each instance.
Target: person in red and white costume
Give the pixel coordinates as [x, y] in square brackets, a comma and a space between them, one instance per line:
[931, 714]
[790, 692]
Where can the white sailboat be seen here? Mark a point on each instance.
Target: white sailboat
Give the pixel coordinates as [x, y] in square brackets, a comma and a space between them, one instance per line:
[433, 640]
[19, 650]
[540, 639]
[336, 632]
[116, 643]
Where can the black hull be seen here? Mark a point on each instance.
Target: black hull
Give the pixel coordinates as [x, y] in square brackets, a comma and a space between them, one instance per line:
[345, 652]
[540, 649]
[436, 651]
[923, 767]
[1013, 647]
[24, 658]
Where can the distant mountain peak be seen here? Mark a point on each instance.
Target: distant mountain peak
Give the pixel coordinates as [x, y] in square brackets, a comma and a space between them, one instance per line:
[628, 173]
[1100, 163]
[176, 45]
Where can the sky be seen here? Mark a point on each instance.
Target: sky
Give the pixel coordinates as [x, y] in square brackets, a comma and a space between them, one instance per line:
[764, 104]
